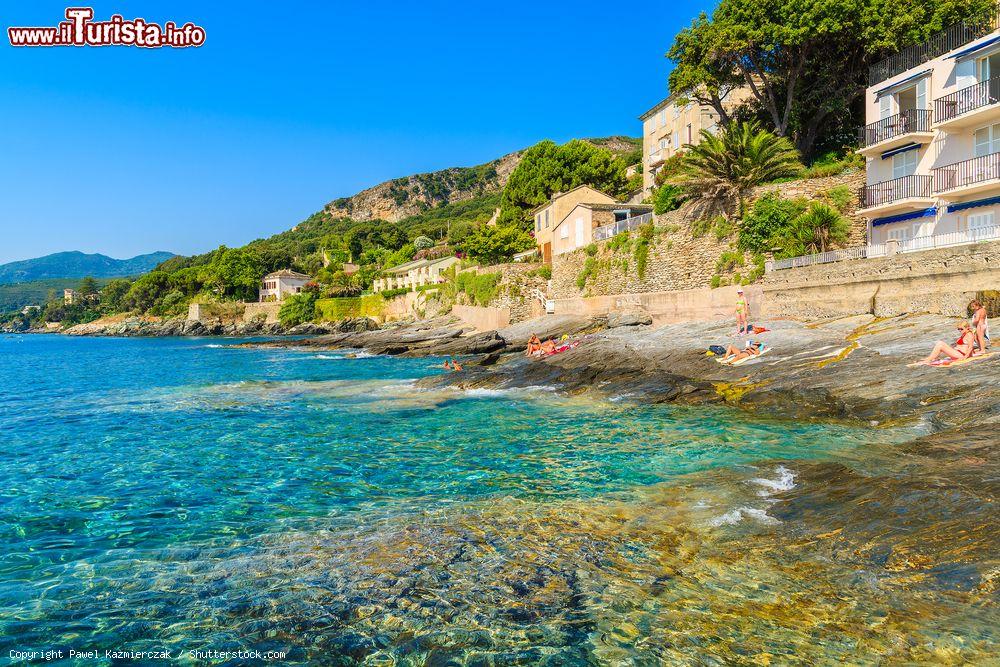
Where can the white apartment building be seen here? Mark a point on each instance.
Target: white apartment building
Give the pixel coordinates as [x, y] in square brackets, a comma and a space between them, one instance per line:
[932, 142]
[415, 274]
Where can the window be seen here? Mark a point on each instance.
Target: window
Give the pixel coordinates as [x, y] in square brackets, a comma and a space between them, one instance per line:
[663, 144]
[538, 222]
[978, 221]
[901, 233]
[987, 140]
[677, 140]
[885, 106]
[564, 233]
[988, 67]
[546, 218]
[904, 164]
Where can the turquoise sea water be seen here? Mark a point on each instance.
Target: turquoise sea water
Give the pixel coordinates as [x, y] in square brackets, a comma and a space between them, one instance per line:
[141, 478]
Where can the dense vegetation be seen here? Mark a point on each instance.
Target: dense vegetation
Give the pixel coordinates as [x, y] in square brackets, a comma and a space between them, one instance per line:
[36, 292]
[804, 61]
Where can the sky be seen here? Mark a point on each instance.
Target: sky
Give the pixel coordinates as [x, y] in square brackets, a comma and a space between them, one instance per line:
[287, 106]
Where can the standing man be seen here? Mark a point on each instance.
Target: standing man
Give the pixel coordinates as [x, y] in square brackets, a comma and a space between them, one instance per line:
[742, 313]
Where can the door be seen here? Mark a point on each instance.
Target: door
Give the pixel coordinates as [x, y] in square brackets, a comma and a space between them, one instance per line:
[980, 225]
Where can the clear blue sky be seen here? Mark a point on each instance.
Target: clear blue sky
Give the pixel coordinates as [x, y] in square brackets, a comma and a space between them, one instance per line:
[289, 105]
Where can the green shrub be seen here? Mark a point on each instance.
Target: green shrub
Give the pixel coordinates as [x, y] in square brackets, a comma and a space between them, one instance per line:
[816, 230]
[770, 217]
[481, 288]
[620, 242]
[591, 249]
[833, 164]
[393, 293]
[716, 281]
[728, 261]
[839, 197]
[333, 310]
[667, 198]
[722, 228]
[298, 308]
[544, 272]
[701, 227]
[589, 266]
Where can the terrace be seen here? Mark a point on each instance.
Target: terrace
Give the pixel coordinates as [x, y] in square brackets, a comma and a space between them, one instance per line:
[951, 38]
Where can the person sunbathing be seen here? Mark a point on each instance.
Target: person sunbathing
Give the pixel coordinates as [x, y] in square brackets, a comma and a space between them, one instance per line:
[962, 349]
[752, 349]
[549, 346]
[534, 345]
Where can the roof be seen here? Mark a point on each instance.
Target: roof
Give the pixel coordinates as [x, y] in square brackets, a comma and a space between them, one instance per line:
[617, 206]
[659, 105]
[418, 264]
[288, 273]
[560, 195]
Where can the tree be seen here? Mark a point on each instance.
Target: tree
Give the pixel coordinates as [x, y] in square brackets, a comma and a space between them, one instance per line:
[494, 243]
[803, 61]
[88, 287]
[769, 220]
[667, 198]
[236, 273]
[422, 243]
[298, 308]
[113, 295]
[547, 168]
[723, 168]
[819, 228]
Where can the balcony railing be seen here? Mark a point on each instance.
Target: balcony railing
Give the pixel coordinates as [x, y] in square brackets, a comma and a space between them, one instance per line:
[968, 172]
[911, 120]
[974, 97]
[898, 189]
[619, 226]
[947, 40]
[916, 244]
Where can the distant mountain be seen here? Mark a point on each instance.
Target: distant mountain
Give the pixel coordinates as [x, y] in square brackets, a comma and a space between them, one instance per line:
[76, 264]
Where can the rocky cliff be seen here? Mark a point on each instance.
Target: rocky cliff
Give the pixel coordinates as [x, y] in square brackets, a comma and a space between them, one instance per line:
[401, 197]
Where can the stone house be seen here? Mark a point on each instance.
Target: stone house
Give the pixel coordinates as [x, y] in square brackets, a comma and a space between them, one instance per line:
[550, 214]
[579, 228]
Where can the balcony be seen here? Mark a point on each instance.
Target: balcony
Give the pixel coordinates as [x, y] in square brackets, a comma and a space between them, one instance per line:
[954, 37]
[605, 232]
[970, 106]
[895, 131]
[656, 158]
[968, 177]
[909, 193]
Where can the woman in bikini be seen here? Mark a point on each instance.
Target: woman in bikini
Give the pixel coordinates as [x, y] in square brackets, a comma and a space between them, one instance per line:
[534, 345]
[961, 350]
[752, 349]
[980, 325]
[742, 313]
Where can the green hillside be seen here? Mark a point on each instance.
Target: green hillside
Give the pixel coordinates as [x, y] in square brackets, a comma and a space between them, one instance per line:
[35, 293]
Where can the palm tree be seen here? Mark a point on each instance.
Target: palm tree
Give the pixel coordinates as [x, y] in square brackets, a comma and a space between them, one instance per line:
[721, 171]
[819, 228]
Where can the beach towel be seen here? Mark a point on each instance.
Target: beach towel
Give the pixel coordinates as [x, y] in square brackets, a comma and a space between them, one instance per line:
[946, 363]
[562, 348]
[763, 350]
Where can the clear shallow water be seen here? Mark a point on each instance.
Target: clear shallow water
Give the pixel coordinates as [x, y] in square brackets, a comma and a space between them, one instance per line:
[174, 492]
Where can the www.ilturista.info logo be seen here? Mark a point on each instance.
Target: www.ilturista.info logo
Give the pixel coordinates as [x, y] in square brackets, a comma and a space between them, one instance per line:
[80, 30]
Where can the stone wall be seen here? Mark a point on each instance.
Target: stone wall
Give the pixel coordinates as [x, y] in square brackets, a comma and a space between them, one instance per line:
[813, 188]
[269, 311]
[695, 305]
[518, 282]
[939, 281]
[680, 257]
[483, 319]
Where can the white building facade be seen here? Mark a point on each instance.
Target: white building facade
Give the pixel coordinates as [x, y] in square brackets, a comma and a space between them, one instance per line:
[932, 142]
[280, 284]
[415, 274]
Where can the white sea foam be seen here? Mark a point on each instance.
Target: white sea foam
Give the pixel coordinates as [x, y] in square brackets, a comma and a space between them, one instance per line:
[733, 517]
[784, 482]
[214, 345]
[326, 356]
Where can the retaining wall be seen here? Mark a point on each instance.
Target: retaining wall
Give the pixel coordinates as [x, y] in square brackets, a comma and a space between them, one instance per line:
[482, 319]
[941, 281]
[693, 305]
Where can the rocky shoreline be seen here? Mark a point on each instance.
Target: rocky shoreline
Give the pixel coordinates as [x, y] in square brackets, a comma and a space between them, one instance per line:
[851, 368]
